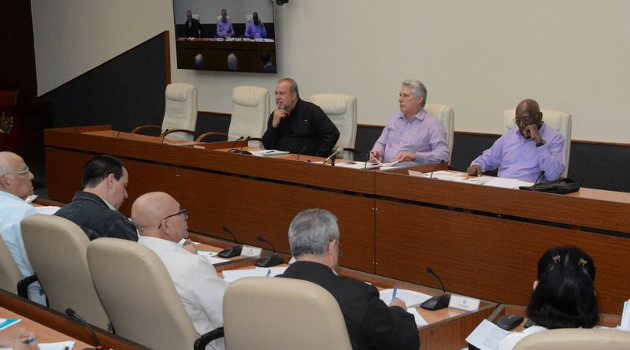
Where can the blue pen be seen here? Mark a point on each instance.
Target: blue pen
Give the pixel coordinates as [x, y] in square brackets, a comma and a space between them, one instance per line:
[394, 293]
[268, 273]
[29, 340]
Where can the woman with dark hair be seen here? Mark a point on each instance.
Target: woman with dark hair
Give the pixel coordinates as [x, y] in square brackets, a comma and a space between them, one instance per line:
[564, 295]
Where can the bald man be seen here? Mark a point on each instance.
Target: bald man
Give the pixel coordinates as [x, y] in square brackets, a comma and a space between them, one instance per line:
[161, 223]
[15, 186]
[532, 152]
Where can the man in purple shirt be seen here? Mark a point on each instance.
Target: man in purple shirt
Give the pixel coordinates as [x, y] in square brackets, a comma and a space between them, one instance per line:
[224, 26]
[255, 28]
[533, 152]
[412, 136]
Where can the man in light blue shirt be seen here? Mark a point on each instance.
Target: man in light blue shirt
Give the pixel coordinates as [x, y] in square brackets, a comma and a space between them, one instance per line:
[15, 187]
[224, 26]
[255, 28]
[412, 136]
[532, 152]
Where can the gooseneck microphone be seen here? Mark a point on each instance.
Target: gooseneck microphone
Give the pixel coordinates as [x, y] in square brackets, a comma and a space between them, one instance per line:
[75, 315]
[233, 149]
[271, 259]
[542, 174]
[439, 301]
[301, 151]
[333, 156]
[437, 166]
[230, 251]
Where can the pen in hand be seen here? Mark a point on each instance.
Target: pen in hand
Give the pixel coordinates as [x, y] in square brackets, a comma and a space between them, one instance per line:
[394, 293]
[29, 340]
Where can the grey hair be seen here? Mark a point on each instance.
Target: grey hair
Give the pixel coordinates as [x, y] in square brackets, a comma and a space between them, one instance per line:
[311, 231]
[293, 87]
[417, 89]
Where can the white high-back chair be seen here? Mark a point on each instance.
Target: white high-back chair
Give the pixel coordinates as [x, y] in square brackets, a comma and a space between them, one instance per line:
[555, 119]
[180, 113]
[139, 295]
[10, 274]
[446, 115]
[57, 249]
[250, 112]
[576, 339]
[310, 316]
[342, 111]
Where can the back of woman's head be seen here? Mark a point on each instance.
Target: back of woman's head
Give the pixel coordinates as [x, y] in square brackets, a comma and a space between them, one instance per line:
[565, 295]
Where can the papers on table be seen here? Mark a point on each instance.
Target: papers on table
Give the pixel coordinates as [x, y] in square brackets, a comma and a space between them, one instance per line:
[47, 210]
[411, 298]
[487, 336]
[625, 316]
[420, 321]
[6, 322]
[211, 256]
[64, 345]
[269, 153]
[357, 165]
[477, 180]
[234, 275]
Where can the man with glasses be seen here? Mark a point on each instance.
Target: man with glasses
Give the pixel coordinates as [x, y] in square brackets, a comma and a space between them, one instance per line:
[15, 187]
[161, 222]
[95, 209]
[532, 152]
[372, 324]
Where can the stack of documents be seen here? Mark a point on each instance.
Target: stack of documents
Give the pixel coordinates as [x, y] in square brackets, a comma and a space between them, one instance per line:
[234, 275]
[269, 153]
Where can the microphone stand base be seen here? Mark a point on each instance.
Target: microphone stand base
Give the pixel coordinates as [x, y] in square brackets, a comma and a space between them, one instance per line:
[437, 302]
[230, 252]
[269, 260]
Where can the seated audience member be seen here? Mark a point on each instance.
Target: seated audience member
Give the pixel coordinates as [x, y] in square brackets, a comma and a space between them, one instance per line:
[161, 222]
[193, 27]
[265, 58]
[298, 126]
[255, 28]
[314, 241]
[224, 26]
[412, 136]
[563, 296]
[232, 62]
[15, 187]
[532, 152]
[14, 338]
[95, 209]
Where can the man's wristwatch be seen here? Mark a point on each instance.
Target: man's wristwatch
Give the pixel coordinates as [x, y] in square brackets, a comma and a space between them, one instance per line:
[542, 142]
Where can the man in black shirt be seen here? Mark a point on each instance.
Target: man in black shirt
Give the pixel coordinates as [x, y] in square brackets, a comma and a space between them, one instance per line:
[298, 126]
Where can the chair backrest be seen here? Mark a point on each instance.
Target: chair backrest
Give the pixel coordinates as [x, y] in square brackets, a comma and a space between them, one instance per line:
[309, 316]
[342, 110]
[250, 112]
[555, 119]
[180, 110]
[446, 115]
[139, 295]
[10, 273]
[576, 339]
[56, 248]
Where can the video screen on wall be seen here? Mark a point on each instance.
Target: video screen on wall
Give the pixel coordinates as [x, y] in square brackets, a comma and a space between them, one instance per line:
[225, 35]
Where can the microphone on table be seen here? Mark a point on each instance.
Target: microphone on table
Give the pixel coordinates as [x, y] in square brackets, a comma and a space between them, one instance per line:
[73, 314]
[542, 174]
[439, 301]
[436, 168]
[271, 259]
[233, 149]
[230, 251]
[301, 151]
[333, 156]
[243, 144]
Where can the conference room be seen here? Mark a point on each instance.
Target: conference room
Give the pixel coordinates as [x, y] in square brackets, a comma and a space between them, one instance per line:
[394, 225]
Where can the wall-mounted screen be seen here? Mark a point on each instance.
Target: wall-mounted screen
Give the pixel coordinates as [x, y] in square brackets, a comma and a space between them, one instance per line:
[225, 35]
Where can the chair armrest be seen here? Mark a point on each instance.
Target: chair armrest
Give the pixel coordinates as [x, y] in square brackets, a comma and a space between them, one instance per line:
[205, 339]
[211, 133]
[140, 128]
[170, 131]
[23, 284]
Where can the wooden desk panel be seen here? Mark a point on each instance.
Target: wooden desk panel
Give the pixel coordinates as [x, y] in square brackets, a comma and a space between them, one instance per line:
[487, 257]
[63, 324]
[250, 207]
[597, 209]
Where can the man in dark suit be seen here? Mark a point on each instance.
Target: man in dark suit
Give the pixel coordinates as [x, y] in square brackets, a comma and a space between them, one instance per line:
[314, 240]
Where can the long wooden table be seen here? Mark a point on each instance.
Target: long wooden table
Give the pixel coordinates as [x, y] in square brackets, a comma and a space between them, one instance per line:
[484, 242]
[51, 326]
